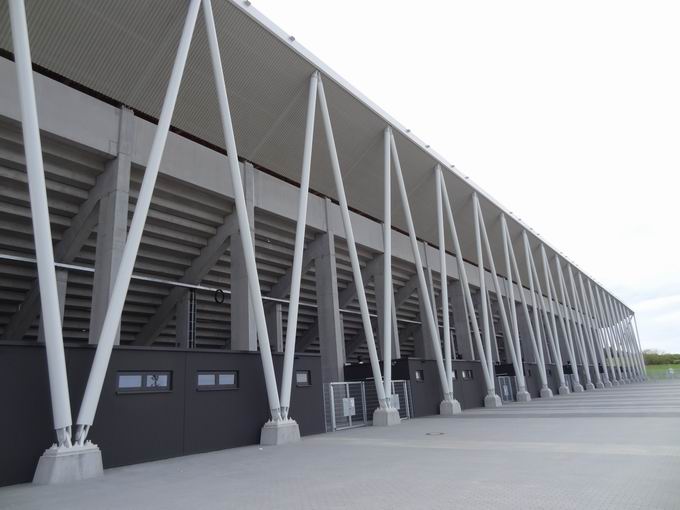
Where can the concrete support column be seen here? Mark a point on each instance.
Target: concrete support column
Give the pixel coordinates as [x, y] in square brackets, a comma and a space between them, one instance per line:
[274, 317]
[62, 283]
[243, 327]
[185, 320]
[525, 335]
[378, 282]
[331, 339]
[112, 226]
[461, 322]
[423, 345]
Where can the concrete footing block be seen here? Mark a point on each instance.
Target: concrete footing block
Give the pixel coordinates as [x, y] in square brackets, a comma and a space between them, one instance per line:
[546, 393]
[608, 384]
[590, 386]
[492, 401]
[279, 432]
[578, 388]
[563, 390]
[615, 383]
[523, 396]
[449, 408]
[62, 464]
[386, 417]
[599, 385]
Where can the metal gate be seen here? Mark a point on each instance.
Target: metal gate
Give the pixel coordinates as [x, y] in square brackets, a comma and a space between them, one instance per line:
[351, 404]
[344, 405]
[507, 387]
[401, 398]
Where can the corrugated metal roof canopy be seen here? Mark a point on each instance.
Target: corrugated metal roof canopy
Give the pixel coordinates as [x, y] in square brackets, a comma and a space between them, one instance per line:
[125, 50]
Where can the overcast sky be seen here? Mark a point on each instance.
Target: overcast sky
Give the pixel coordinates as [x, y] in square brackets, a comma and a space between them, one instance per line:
[567, 112]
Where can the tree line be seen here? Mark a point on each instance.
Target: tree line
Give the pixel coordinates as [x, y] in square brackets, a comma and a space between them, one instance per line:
[655, 357]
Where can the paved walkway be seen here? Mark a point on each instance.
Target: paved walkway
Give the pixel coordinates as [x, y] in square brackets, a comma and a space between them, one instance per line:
[608, 449]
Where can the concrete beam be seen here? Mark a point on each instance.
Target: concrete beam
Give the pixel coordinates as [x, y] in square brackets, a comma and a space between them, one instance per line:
[112, 226]
[243, 329]
[199, 267]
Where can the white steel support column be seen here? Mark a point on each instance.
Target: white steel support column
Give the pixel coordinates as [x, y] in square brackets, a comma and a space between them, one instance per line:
[387, 288]
[422, 284]
[42, 233]
[484, 307]
[509, 252]
[562, 314]
[592, 331]
[620, 369]
[120, 287]
[616, 334]
[616, 369]
[624, 327]
[623, 324]
[618, 341]
[296, 277]
[584, 332]
[491, 399]
[571, 318]
[613, 337]
[550, 326]
[277, 430]
[515, 357]
[626, 321]
[449, 406]
[639, 347]
[384, 415]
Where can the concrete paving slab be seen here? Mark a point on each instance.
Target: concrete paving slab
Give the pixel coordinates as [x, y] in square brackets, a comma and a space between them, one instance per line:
[615, 448]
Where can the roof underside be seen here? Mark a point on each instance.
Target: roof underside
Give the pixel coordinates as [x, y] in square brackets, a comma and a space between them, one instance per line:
[125, 50]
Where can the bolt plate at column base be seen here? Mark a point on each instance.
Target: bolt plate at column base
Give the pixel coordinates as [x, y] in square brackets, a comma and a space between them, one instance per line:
[449, 408]
[62, 464]
[279, 432]
[384, 417]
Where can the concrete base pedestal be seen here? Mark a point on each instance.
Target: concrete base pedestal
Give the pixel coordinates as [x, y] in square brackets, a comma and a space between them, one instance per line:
[615, 382]
[599, 385]
[523, 396]
[590, 386]
[608, 384]
[563, 390]
[449, 408]
[492, 401]
[279, 432]
[386, 417]
[578, 388]
[546, 393]
[63, 464]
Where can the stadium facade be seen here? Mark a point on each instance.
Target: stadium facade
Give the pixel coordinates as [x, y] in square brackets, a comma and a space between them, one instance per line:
[209, 239]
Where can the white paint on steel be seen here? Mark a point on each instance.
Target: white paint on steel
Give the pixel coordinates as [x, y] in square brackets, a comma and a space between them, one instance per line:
[296, 277]
[42, 233]
[351, 247]
[120, 287]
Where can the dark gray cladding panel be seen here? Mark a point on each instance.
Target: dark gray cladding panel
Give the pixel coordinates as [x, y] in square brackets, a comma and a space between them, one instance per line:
[139, 427]
[427, 393]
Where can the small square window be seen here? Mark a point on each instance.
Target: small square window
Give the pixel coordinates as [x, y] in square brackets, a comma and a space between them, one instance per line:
[227, 379]
[138, 382]
[468, 375]
[129, 381]
[454, 375]
[156, 381]
[303, 378]
[420, 375]
[206, 379]
[217, 380]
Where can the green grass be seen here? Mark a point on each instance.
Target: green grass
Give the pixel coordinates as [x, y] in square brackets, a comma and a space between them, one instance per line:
[662, 369]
